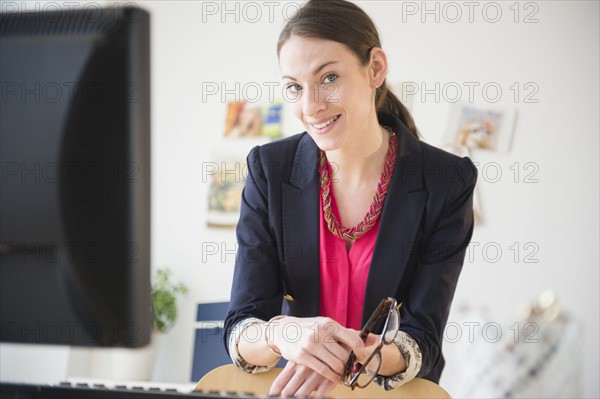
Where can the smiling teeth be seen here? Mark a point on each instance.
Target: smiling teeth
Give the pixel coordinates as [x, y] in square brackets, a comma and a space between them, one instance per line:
[325, 124]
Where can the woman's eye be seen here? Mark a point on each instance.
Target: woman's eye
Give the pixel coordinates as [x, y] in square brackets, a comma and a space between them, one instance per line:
[332, 77]
[294, 87]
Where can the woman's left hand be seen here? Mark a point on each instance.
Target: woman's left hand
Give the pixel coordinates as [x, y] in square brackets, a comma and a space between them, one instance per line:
[392, 360]
[300, 381]
[370, 344]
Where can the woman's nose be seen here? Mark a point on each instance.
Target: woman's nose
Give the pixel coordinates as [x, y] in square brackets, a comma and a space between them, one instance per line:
[314, 100]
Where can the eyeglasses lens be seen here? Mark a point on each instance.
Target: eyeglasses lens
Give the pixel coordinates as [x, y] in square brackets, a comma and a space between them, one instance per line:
[368, 373]
[392, 327]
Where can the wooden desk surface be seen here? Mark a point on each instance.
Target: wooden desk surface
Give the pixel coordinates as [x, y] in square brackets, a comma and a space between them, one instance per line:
[231, 378]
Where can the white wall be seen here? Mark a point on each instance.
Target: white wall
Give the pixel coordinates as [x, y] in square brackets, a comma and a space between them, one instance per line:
[559, 133]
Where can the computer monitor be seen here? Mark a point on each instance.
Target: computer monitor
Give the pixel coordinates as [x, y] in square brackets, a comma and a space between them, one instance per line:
[75, 188]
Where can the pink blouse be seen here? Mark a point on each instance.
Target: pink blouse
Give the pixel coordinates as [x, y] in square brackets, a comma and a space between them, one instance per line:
[344, 273]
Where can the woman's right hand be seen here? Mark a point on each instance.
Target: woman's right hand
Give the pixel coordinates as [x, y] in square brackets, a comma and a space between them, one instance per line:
[319, 343]
[300, 381]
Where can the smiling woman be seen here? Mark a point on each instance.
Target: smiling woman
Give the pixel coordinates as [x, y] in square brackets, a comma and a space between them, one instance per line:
[379, 227]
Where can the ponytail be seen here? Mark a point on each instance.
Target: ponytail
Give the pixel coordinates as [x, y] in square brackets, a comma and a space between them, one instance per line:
[387, 101]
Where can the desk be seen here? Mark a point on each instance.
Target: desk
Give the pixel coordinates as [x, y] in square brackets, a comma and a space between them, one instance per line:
[231, 378]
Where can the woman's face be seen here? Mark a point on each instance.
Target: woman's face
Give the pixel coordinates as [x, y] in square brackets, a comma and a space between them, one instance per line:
[328, 90]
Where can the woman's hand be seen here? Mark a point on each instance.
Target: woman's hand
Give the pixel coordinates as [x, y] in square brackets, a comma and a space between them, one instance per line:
[319, 343]
[369, 346]
[392, 360]
[300, 381]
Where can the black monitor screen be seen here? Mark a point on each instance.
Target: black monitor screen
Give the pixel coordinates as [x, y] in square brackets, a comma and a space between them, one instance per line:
[75, 189]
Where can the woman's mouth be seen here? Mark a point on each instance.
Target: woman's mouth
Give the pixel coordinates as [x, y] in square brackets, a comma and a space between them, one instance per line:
[325, 126]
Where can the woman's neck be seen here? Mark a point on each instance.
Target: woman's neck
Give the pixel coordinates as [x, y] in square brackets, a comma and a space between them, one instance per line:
[359, 162]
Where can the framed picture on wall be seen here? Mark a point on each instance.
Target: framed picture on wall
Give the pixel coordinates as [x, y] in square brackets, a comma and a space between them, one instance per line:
[246, 126]
[246, 119]
[226, 175]
[480, 127]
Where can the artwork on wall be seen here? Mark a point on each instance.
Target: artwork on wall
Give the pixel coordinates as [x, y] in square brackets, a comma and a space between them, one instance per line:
[246, 125]
[253, 120]
[473, 128]
[480, 127]
[227, 177]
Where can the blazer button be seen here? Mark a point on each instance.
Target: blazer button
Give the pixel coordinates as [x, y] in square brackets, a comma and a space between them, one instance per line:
[288, 298]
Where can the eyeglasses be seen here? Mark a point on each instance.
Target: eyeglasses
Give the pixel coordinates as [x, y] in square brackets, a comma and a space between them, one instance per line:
[359, 375]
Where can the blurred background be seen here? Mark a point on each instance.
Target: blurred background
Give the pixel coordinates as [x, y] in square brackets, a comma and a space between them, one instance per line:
[525, 314]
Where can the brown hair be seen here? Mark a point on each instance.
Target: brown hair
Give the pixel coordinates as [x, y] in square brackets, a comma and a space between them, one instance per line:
[344, 22]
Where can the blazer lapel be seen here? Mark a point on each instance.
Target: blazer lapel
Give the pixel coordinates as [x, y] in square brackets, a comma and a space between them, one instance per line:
[400, 219]
[300, 216]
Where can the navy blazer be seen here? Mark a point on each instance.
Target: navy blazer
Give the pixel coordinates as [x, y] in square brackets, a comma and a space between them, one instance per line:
[426, 226]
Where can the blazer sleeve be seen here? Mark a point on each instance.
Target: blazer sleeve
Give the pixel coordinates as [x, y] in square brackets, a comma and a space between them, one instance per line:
[425, 308]
[257, 290]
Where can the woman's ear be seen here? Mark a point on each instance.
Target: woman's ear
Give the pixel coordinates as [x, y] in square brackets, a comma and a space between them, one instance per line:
[378, 67]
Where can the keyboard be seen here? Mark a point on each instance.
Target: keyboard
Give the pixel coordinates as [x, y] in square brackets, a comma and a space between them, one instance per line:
[70, 390]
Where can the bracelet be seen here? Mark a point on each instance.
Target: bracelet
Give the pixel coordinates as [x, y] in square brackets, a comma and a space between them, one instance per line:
[269, 344]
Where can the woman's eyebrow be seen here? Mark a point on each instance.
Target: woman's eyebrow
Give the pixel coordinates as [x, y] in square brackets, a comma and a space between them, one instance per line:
[315, 72]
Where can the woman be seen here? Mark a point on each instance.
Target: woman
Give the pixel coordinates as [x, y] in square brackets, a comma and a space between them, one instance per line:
[351, 211]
